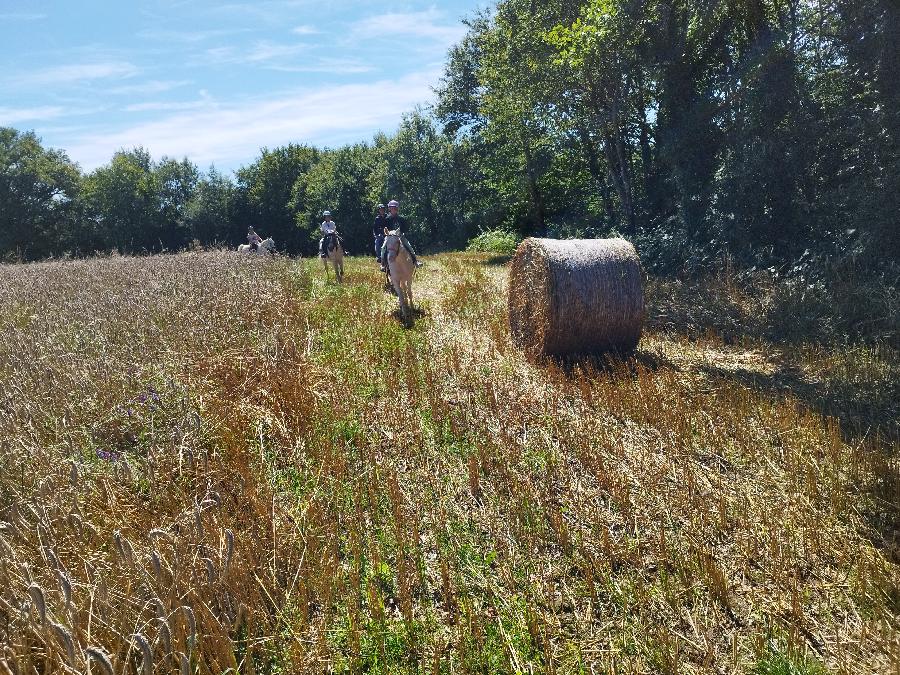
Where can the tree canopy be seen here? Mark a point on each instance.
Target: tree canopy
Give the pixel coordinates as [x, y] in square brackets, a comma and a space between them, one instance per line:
[763, 132]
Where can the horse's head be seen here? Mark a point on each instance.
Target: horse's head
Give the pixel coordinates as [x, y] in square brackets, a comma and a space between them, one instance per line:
[392, 243]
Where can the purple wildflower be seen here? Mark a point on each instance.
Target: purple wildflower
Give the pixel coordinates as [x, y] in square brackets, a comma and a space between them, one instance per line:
[108, 455]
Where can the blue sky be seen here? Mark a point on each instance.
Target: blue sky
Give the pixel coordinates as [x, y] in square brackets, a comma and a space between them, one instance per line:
[217, 81]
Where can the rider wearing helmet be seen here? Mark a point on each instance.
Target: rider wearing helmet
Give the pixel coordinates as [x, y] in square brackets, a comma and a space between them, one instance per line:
[328, 227]
[397, 222]
[378, 232]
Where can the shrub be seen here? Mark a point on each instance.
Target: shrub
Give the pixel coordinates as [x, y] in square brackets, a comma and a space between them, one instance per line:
[501, 242]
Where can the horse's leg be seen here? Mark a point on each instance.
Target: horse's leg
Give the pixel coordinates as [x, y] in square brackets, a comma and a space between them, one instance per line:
[403, 308]
[407, 291]
[403, 297]
[398, 291]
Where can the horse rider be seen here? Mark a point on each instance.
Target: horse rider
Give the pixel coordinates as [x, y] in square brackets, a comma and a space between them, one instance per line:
[329, 228]
[378, 232]
[397, 222]
[253, 239]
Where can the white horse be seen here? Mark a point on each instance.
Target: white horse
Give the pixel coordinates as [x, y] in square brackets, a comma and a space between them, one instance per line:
[400, 267]
[265, 247]
[334, 254]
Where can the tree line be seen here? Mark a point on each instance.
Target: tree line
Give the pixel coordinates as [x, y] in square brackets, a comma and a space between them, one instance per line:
[135, 204]
[758, 132]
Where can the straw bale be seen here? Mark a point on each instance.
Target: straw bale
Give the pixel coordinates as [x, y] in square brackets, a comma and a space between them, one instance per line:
[575, 296]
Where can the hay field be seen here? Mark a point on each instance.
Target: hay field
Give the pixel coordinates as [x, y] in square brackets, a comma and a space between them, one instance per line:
[210, 463]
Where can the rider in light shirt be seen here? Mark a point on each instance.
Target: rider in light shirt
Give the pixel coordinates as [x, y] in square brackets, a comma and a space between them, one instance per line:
[328, 226]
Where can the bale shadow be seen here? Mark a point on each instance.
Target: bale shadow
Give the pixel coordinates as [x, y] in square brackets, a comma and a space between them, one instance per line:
[609, 363]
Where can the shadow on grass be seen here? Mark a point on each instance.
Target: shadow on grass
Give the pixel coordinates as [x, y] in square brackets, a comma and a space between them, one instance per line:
[869, 422]
[414, 314]
[860, 413]
[868, 419]
[498, 259]
[631, 363]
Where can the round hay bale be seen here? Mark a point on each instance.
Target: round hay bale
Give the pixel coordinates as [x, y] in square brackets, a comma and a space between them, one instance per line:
[575, 296]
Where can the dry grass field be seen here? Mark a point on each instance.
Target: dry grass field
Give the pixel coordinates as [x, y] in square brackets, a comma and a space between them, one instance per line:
[216, 464]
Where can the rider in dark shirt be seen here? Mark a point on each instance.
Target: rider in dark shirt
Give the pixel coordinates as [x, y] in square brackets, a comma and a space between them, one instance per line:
[253, 239]
[397, 222]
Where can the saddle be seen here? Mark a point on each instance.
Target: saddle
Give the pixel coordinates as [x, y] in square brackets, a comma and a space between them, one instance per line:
[332, 240]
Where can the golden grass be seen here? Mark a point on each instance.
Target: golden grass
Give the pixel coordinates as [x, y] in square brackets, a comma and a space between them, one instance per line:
[210, 462]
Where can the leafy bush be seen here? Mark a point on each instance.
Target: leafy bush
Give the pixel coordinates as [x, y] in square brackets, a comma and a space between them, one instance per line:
[779, 663]
[501, 242]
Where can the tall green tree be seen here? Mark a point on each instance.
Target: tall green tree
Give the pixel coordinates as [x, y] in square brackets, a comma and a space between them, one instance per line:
[136, 205]
[39, 191]
[339, 183]
[422, 172]
[174, 183]
[265, 191]
[861, 93]
[208, 215]
[120, 203]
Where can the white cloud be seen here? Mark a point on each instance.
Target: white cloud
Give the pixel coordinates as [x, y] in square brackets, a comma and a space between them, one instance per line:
[232, 134]
[305, 30]
[260, 53]
[79, 72]
[428, 26]
[269, 51]
[271, 12]
[149, 87]
[217, 55]
[166, 105]
[9, 116]
[186, 37]
[330, 66]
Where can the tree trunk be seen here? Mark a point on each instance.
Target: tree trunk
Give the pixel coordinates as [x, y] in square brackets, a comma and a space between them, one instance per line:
[618, 173]
[534, 190]
[597, 173]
